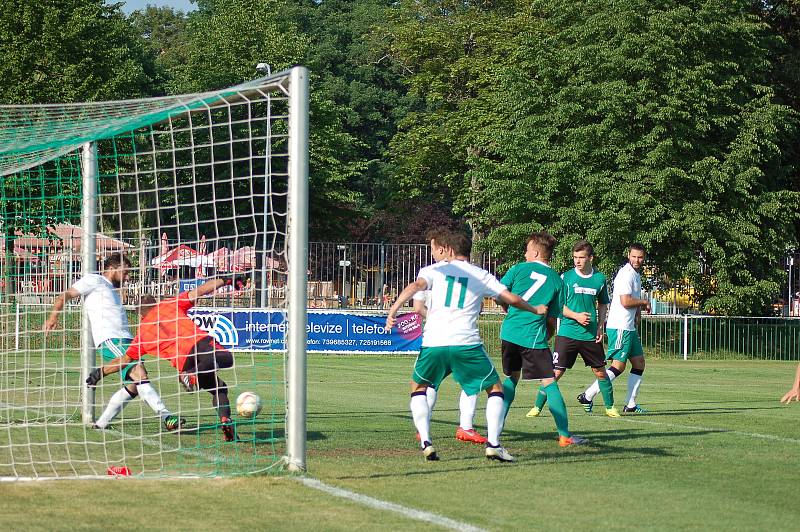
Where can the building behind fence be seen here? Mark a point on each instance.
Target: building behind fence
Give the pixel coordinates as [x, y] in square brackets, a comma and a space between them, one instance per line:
[341, 275]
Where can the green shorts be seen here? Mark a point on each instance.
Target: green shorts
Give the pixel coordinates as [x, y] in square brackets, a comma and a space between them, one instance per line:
[469, 364]
[623, 345]
[116, 348]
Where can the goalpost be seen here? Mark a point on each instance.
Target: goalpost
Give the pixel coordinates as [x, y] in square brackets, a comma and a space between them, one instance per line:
[186, 187]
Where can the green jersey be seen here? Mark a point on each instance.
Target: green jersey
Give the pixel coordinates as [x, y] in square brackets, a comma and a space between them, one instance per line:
[582, 293]
[538, 284]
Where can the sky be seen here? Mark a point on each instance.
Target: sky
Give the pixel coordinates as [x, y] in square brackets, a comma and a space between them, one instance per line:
[133, 5]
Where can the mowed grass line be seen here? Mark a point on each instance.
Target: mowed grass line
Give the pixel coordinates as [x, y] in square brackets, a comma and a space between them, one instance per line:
[675, 468]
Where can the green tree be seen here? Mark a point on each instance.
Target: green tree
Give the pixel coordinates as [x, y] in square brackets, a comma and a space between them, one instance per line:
[164, 31]
[348, 56]
[68, 51]
[225, 41]
[634, 120]
[73, 50]
[452, 53]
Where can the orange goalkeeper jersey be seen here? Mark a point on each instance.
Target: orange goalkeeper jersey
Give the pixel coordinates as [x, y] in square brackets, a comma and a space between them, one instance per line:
[167, 332]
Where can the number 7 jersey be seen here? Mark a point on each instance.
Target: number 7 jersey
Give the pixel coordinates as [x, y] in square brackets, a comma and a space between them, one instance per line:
[457, 289]
[538, 284]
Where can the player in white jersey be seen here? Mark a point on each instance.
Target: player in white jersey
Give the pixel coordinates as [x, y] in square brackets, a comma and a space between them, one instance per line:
[451, 342]
[466, 403]
[623, 340]
[109, 325]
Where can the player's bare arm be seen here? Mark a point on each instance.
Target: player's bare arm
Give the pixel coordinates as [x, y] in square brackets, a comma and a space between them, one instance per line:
[407, 293]
[510, 298]
[628, 301]
[552, 327]
[58, 306]
[420, 308]
[581, 317]
[209, 287]
[602, 311]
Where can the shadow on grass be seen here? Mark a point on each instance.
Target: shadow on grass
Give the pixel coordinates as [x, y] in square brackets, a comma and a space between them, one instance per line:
[592, 453]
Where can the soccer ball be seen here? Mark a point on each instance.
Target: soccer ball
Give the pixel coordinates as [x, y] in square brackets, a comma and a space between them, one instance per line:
[248, 404]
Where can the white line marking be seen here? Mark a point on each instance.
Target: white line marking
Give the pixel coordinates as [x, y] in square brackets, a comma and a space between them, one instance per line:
[405, 511]
[713, 429]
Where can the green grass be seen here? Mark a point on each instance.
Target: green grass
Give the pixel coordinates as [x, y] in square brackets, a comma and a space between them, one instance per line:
[717, 451]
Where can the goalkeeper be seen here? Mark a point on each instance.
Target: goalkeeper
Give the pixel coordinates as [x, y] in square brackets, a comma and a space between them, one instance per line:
[167, 332]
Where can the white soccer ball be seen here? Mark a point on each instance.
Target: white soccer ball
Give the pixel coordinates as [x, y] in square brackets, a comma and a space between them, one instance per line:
[248, 404]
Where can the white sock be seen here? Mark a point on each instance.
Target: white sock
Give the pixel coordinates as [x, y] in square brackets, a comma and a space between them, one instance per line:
[634, 381]
[466, 406]
[115, 405]
[151, 397]
[420, 412]
[431, 394]
[594, 388]
[494, 419]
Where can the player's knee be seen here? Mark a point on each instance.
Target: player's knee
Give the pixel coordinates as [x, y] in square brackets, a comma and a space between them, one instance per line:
[495, 393]
[600, 372]
[637, 371]
[138, 372]
[638, 364]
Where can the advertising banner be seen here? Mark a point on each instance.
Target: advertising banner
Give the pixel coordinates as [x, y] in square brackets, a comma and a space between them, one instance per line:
[328, 332]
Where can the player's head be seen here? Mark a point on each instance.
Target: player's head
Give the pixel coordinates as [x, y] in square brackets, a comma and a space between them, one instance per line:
[146, 302]
[115, 268]
[540, 246]
[636, 255]
[437, 238]
[582, 254]
[460, 244]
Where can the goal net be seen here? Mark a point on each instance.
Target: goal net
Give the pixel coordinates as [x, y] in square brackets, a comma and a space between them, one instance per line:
[187, 189]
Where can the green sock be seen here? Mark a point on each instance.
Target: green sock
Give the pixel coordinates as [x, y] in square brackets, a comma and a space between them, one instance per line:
[607, 389]
[509, 391]
[541, 398]
[555, 401]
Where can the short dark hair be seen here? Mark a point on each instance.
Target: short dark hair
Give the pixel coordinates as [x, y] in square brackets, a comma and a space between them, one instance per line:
[460, 243]
[544, 241]
[637, 246]
[115, 260]
[583, 245]
[438, 235]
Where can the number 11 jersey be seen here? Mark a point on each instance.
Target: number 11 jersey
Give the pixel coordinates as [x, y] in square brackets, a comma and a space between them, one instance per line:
[457, 289]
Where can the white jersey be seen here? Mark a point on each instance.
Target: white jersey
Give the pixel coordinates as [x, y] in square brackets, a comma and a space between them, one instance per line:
[424, 296]
[104, 308]
[627, 282]
[457, 289]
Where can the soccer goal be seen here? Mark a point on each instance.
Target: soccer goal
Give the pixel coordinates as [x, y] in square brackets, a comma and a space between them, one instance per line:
[186, 188]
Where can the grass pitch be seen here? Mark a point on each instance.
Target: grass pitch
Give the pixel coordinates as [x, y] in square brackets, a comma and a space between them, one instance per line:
[717, 451]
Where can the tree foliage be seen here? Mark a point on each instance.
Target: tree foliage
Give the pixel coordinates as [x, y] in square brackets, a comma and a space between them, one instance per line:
[648, 121]
[67, 51]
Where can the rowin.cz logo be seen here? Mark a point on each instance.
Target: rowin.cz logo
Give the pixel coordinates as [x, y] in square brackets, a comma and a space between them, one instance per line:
[220, 327]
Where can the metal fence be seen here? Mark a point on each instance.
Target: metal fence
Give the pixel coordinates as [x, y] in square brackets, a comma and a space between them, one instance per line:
[353, 275]
[699, 337]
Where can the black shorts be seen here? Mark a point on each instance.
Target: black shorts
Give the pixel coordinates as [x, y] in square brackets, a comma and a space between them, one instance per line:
[534, 363]
[205, 359]
[567, 349]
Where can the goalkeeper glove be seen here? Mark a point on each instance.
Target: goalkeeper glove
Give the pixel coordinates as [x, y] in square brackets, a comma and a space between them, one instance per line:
[94, 377]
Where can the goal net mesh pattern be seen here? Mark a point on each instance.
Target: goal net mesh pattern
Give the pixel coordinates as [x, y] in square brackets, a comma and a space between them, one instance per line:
[188, 187]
